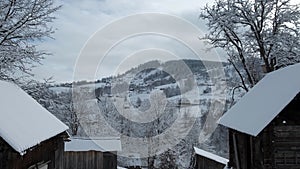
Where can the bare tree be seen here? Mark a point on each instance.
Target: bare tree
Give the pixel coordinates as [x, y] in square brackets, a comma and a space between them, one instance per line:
[250, 29]
[158, 104]
[22, 22]
[59, 104]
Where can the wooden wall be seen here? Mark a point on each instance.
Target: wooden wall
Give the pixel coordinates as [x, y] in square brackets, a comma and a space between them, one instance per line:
[81, 160]
[50, 151]
[286, 148]
[110, 160]
[205, 163]
[276, 147]
[90, 160]
[4, 151]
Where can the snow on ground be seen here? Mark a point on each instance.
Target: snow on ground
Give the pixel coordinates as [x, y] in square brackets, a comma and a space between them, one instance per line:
[59, 90]
[94, 85]
[121, 167]
[172, 85]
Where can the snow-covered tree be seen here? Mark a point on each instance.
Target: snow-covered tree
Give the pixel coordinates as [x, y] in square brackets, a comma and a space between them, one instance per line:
[138, 102]
[158, 103]
[168, 160]
[249, 29]
[22, 23]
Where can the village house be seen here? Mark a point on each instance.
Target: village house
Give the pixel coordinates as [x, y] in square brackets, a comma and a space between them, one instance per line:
[134, 161]
[30, 136]
[264, 126]
[91, 153]
[207, 160]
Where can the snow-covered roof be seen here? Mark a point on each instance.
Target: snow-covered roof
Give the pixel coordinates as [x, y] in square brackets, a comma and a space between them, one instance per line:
[24, 123]
[211, 156]
[94, 144]
[264, 101]
[118, 167]
[134, 159]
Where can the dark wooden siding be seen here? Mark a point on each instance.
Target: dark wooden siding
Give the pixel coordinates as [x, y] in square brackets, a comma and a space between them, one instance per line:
[110, 160]
[276, 147]
[90, 160]
[4, 151]
[50, 151]
[83, 160]
[286, 145]
[205, 163]
[238, 142]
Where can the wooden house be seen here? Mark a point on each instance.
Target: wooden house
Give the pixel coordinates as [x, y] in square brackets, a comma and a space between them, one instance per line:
[91, 153]
[30, 136]
[207, 160]
[264, 126]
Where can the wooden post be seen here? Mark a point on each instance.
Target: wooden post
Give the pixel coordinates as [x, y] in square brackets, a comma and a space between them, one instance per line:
[236, 153]
[251, 151]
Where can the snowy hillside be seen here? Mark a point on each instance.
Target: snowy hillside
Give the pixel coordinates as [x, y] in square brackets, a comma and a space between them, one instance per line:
[155, 108]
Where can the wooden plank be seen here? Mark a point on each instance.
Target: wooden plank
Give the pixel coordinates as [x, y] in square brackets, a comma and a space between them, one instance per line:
[81, 160]
[205, 163]
[236, 153]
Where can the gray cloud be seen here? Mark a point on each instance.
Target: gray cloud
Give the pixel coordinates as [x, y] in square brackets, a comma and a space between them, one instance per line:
[78, 20]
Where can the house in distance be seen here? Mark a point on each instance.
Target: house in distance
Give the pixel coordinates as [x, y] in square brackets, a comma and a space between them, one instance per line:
[264, 126]
[30, 136]
[207, 160]
[92, 153]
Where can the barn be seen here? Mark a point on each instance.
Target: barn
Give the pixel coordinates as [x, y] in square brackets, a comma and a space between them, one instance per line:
[91, 153]
[264, 126]
[207, 160]
[30, 136]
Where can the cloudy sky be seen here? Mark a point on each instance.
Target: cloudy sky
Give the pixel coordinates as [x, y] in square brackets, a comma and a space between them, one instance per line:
[79, 21]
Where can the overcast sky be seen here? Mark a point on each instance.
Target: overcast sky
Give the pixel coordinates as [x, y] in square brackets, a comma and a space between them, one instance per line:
[78, 20]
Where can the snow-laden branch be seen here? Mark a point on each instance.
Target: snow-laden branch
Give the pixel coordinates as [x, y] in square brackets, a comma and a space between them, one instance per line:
[247, 29]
